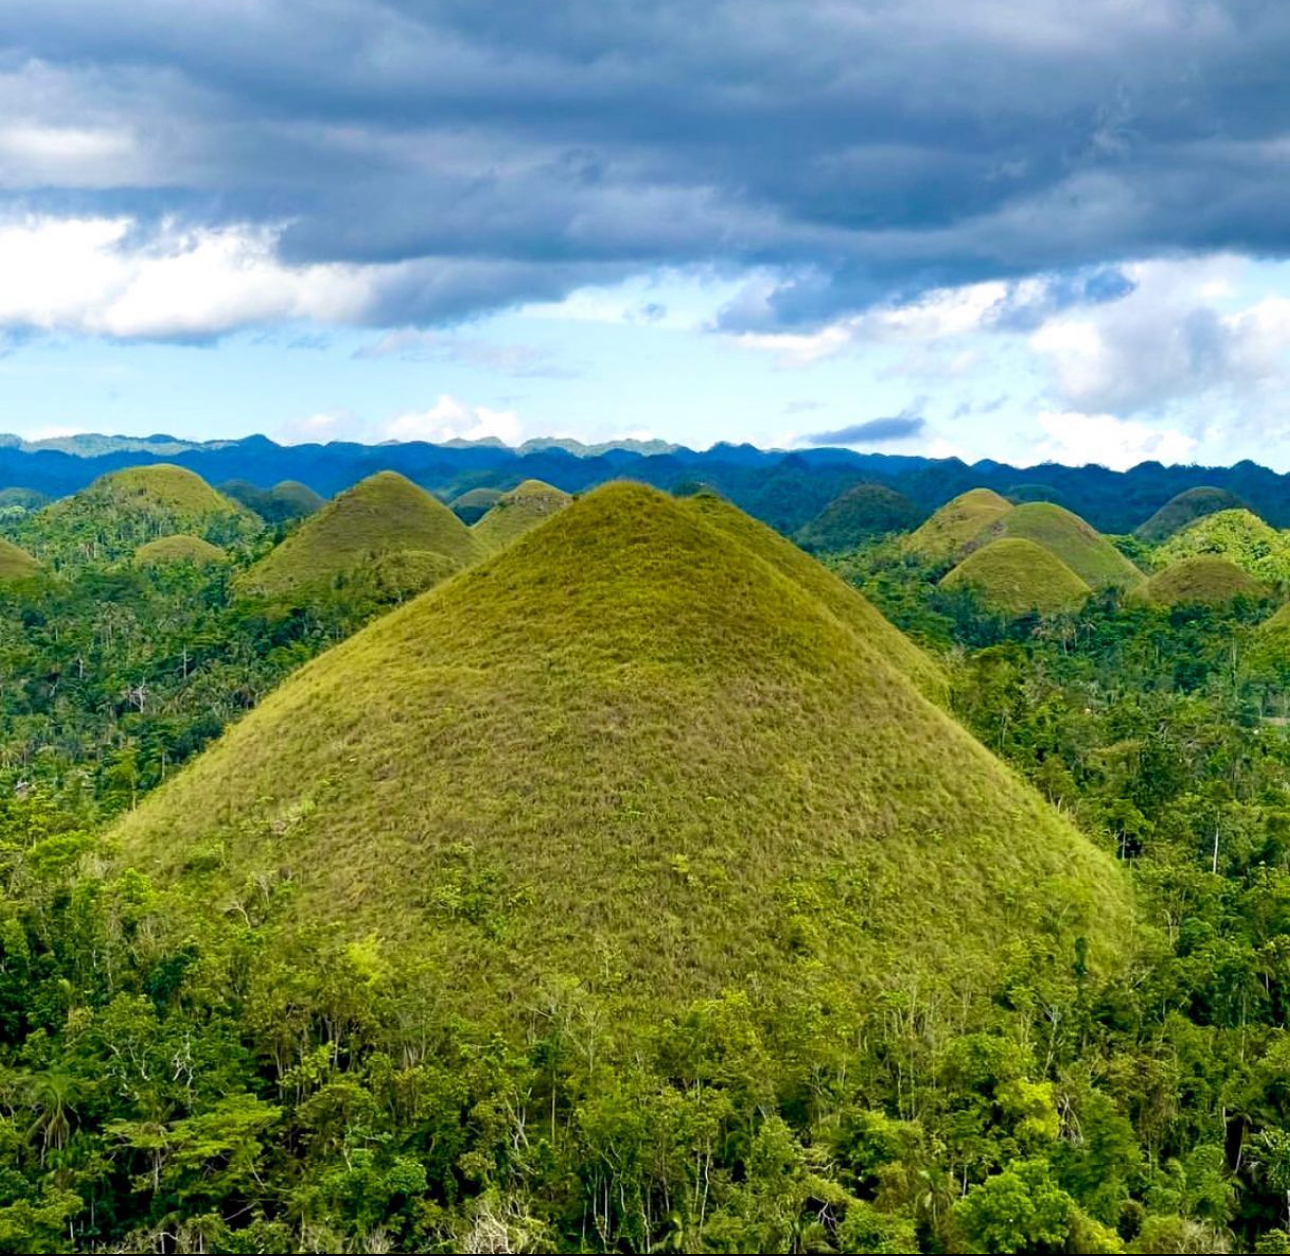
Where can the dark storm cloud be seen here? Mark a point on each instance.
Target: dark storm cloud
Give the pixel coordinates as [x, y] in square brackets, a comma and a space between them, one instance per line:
[873, 432]
[855, 152]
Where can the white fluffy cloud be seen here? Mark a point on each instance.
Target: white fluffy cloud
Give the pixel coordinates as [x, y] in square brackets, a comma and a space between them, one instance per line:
[451, 419]
[1076, 439]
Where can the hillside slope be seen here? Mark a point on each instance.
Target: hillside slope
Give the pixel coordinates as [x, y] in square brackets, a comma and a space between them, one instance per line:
[865, 511]
[15, 562]
[384, 514]
[1237, 535]
[177, 549]
[944, 537]
[1203, 580]
[630, 752]
[1016, 575]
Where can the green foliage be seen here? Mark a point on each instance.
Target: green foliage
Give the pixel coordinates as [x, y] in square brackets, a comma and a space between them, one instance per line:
[1205, 579]
[862, 512]
[1238, 536]
[1015, 576]
[282, 503]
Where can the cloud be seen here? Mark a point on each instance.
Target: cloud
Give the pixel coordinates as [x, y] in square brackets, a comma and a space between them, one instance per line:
[1076, 439]
[451, 419]
[479, 156]
[517, 361]
[873, 432]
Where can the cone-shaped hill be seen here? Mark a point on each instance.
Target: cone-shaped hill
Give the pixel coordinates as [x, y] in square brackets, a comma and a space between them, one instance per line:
[946, 535]
[384, 514]
[284, 501]
[1237, 535]
[1188, 506]
[1203, 580]
[1015, 575]
[473, 505]
[177, 549]
[514, 513]
[15, 563]
[865, 511]
[1082, 548]
[125, 509]
[631, 751]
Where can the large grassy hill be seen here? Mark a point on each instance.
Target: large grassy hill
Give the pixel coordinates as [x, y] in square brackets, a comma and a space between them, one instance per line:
[1203, 580]
[514, 513]
[15, 563]
[177, 549]
[1185, 508]
[1237, 535]
[1016, 575]
[384, 514]
[636, 752]
[946, 535]
[865, 511]
[1084, 550]
[123, 510]
[285, 501]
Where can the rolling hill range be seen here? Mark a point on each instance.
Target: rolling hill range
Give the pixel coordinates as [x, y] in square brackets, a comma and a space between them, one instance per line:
[287, 500]
[116, 514]
[1188, 506]
[385, 514]
[650, 748]
[1088, 554]
[473, 505]
[514, 513]
[1016, 575]
[1237, 535]
[946, 535]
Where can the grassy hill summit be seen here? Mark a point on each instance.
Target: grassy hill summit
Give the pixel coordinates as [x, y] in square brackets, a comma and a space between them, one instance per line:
[865, 511]
[1241, 537]
[946, 535]
[1082, 548]
[1016, 575]
[125, 509]
[1205, 579]
[514, 513]
[1185, 508]
[15, 562]
[383, 514]
[177, 549]
[474, 504]
[634, 751]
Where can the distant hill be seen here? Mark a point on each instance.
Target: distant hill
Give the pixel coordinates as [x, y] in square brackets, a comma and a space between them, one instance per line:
[279, 504]
[630, 754]
[946, 535]
[1079, 546]
[862, 512]
[123, 510]
[1190, 505]
[385, 514]
[1016, 575]
[1237, 535]
[473, 505]
[514, 513]
[1203, 580]
[177, 549]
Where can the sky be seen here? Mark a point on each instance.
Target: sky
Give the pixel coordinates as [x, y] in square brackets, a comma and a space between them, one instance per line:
[1025, 230]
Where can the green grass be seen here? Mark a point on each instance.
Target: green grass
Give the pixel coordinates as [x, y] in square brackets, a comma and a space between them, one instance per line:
[121, 511]
[15, 563]
[1083, 549]
[286, 500]
[1185, 508]
[514, 513]
[177, 549]
[472, 506]
[384, 514]
[1203, 580]
[946, 535]
[1016, 575]
[635, 751]
[862, 512]
[1237, 535]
